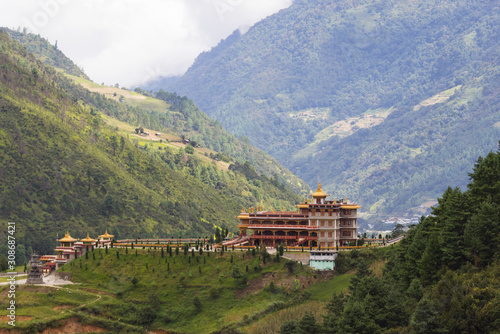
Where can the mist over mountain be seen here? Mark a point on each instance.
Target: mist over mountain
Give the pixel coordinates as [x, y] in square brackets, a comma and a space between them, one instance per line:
[384, 102]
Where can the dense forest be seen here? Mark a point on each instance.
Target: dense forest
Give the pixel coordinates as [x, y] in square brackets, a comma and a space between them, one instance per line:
[444, 277]
[182, 116]
[430, 66]
[62, 168]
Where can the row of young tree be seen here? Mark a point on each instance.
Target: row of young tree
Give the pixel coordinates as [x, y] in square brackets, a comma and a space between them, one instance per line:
[444, 277]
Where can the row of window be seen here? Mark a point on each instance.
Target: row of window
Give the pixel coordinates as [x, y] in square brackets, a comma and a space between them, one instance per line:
[345, 212]
[322, 234]
[330, 223]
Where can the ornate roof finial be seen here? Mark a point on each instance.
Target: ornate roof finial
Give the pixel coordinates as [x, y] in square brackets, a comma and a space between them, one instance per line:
[319, 193]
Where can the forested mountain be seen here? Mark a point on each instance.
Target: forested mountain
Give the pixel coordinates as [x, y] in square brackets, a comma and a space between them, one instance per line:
[179, 115]
[62, 168]
[384, 102]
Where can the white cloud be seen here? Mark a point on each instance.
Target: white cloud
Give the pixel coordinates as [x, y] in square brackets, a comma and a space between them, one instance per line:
[131, 41]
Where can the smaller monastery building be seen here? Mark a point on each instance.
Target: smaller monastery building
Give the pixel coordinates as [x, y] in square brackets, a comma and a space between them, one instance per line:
[71, 248]
[317, 222]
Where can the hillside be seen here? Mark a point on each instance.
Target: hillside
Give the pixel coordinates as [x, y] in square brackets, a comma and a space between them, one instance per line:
[389, 96]
[45, 52]
[163, 112]
[63, 168]
[140, 290]
[443, 277]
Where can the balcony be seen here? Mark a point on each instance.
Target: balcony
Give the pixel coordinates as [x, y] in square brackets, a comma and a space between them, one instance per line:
[253, 236]
[290, 227]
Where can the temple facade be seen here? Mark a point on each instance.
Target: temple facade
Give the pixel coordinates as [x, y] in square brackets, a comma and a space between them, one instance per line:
[317, 222]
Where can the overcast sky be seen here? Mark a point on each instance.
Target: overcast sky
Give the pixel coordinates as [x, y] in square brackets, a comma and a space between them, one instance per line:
[132, 41]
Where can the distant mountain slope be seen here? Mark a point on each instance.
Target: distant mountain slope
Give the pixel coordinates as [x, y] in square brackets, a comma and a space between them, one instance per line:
[62, 168]
[309, 84]
[162, 112]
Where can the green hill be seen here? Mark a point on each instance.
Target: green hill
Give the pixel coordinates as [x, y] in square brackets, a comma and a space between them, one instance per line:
[63, 168]
[163, 112]
[392, 101]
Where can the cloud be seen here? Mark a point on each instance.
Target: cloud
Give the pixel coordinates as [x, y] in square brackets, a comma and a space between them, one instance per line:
[131, 41]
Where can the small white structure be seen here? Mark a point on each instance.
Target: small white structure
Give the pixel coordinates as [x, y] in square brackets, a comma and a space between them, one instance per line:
[322, 260]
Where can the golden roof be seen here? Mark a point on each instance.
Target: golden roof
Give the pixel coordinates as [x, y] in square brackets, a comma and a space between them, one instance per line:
[106, 235]
[319, 193]
[87, 239]
[350, 206]
[67, 238]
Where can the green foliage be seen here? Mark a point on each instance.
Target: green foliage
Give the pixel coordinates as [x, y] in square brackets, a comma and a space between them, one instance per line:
[288, 327]
[425, 318]
[189, 149]
[3, 263]
[307, 324]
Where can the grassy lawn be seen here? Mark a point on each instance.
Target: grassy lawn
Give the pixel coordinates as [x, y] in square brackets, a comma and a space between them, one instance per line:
[323, 291]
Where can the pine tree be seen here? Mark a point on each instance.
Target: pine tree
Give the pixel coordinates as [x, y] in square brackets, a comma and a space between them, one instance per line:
[452, 214]
[288, 327]
[431, 261]
[482, 234]
[425, 318]
[334, 310]
[307, 324]
[363, 271]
